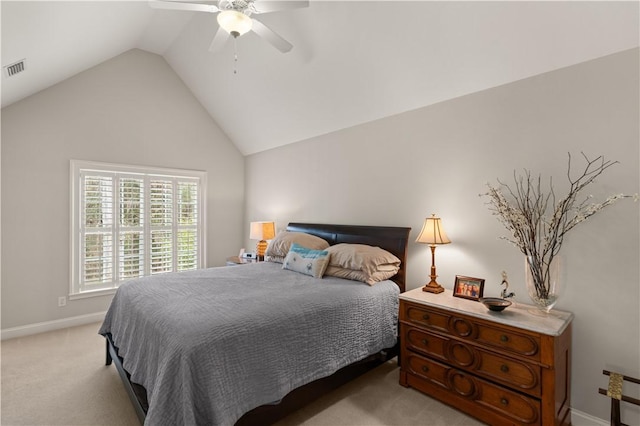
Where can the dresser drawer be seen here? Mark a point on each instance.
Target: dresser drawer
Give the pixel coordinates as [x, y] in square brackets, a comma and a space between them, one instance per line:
[510, 372]
[436, 379]
[425, 317]
[427, 343]
[509, 340]
[472, 330]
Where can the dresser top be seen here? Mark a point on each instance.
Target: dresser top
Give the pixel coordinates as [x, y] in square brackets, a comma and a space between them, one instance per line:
[516, 315]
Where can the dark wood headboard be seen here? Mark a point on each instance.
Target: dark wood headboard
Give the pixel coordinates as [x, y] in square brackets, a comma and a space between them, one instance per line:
[391, 238]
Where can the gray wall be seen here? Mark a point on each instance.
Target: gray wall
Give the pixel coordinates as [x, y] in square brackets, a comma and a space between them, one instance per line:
[399, 170]
[132, 109]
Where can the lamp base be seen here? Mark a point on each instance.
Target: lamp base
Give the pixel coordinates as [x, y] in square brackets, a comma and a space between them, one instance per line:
[433, 287]
[261, 248]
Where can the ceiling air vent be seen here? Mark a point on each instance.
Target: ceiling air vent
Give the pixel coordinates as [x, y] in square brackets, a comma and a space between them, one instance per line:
[13, 69]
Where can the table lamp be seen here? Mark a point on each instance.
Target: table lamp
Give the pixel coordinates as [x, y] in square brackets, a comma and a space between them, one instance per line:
[262, 231]
[433, 234]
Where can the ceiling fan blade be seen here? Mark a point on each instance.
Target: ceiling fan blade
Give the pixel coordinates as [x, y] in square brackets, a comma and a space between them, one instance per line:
[218, 40]
[266, 6]
[177, 5]
[268, 34]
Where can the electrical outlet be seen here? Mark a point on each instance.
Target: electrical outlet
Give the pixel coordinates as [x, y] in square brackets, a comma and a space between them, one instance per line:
[62, 301]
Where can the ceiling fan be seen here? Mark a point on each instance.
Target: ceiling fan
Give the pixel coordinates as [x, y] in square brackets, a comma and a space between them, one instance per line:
[234, 18]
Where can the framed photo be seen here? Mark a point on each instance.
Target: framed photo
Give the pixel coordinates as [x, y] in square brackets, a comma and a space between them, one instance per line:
[468, 287]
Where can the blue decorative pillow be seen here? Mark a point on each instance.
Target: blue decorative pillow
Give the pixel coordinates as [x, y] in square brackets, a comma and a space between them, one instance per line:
[306, 261]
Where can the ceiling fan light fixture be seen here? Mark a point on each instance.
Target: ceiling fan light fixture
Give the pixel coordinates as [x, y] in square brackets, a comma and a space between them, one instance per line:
[234, 22]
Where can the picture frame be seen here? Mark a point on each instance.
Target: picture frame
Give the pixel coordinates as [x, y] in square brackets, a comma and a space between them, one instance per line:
[468, 287]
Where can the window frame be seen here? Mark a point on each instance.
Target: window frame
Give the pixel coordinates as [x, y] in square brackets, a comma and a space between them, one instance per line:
[78, 168]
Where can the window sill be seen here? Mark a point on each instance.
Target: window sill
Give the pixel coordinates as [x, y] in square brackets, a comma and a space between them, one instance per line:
[93, 293]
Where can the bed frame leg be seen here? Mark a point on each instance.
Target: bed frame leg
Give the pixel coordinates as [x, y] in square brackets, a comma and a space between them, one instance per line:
[112, 357]
[109, 359]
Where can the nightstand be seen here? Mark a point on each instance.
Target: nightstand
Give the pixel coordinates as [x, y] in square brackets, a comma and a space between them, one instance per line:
[504, 368]
[237, 260]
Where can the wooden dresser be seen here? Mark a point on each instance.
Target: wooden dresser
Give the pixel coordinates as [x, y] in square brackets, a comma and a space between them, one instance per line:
[504, 368]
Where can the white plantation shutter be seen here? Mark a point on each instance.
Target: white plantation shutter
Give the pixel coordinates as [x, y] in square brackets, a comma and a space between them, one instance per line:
[162, 219]
[131, 255]
[131, 233]
[187, 255]
[187, 225]
[130, 222]
[161, 252]
[97, 248]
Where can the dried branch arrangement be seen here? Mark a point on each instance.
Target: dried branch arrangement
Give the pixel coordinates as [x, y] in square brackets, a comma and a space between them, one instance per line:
[538, 221]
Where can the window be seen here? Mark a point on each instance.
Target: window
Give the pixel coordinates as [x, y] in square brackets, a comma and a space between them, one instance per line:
[130, 222]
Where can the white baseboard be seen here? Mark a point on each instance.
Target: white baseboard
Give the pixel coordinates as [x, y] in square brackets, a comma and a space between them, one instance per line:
[578, 418]
[41, 327]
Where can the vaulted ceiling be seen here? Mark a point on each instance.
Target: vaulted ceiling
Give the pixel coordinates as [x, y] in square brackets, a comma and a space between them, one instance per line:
[352, 61]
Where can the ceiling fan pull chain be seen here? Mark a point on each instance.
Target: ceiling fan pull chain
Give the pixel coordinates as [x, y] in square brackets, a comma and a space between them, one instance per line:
[235, 55]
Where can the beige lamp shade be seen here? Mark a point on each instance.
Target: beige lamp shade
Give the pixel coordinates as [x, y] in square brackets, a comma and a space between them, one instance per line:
[432, 232]
[262, 231]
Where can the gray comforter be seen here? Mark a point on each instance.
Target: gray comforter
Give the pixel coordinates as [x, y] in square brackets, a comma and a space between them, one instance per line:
[212, 344]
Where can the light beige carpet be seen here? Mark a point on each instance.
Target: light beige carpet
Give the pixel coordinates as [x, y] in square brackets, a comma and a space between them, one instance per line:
[59, 378]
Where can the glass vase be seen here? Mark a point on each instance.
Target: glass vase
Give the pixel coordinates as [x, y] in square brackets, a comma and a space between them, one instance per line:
[543, 282]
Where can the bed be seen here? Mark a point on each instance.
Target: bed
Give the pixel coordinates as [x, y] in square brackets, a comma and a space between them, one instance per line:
[209, 348]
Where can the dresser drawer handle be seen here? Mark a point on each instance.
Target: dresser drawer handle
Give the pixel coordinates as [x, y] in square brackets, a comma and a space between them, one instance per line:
[425, 342]
[504, 338]
[425, 317]
[504, 368]
[504, 401]
[425, 368]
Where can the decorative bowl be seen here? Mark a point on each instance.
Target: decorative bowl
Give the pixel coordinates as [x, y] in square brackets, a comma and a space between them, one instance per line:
[495, 304]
